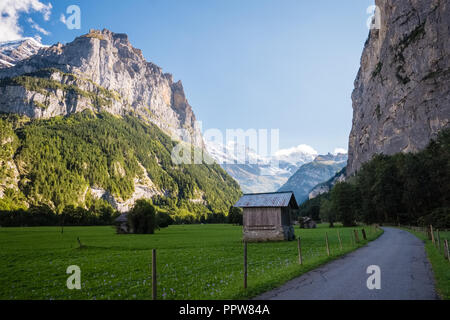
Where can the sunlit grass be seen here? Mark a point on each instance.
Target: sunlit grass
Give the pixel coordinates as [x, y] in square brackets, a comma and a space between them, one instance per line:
[193, 261]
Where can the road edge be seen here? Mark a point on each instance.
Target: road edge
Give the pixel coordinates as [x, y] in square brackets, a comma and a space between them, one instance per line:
[333, 259]
[437, 262]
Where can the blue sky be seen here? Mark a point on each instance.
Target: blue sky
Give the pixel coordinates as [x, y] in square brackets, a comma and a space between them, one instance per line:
[263, 64]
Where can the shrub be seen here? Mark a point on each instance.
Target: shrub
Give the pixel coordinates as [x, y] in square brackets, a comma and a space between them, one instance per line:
[142, 218]
[163, 219]
[235, 216]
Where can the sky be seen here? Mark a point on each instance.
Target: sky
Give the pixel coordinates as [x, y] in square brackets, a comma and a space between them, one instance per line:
[253, 64]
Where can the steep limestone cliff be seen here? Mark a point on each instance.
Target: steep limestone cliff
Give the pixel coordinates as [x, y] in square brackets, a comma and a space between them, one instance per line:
[402, 91]
[100, 71]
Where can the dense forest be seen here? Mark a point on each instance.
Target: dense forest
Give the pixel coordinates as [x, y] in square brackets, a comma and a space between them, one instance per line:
[59, 159]
[412, 188]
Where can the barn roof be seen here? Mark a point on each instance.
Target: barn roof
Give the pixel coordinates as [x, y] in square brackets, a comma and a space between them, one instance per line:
[274, 199]
[122, 218]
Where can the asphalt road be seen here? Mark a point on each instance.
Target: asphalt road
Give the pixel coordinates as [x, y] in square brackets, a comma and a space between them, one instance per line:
[404, 268]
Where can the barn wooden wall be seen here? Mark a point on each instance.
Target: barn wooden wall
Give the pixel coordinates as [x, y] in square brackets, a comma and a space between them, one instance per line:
[262, 217]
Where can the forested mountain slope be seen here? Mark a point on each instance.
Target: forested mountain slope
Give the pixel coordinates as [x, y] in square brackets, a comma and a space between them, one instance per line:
[86, 156]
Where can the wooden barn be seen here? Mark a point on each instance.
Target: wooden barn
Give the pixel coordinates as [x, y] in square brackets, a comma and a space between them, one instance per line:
[268, 216]
[122, 223]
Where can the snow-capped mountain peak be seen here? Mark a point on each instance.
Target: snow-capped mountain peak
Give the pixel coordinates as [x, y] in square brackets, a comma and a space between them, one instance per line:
[256, 172]
[296, 156]
[14, 51]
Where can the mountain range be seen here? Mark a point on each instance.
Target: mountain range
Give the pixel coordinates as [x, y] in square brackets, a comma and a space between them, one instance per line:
[93, 120]
[299, 169]
[101, 74]
[260, 173]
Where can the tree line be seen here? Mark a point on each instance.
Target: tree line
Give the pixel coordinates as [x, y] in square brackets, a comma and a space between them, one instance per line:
[102, 213]
[408, 189]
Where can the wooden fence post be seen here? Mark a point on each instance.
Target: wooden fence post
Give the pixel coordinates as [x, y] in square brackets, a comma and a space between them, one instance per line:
[154, 292]
[245, 264]
[447, 249]
[326, 241]
[340, 241]
[364, 234]
[351, 238]
[432, 234]
[439, 241]
[300, 260]
[356, 236]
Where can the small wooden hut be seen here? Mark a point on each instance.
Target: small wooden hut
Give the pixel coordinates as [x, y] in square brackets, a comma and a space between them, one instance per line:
[307, 223]
[122, 223]
[268, 216]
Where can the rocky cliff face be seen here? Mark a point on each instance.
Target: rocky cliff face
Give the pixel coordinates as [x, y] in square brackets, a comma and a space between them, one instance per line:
[100, 71]
[402, 91]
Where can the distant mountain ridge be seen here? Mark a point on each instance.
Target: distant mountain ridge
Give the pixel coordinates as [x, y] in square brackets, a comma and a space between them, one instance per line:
[326, 186]
[311, 174]
[260, 173]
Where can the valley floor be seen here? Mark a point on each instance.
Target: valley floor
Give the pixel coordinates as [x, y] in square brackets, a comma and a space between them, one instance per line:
[193, 261]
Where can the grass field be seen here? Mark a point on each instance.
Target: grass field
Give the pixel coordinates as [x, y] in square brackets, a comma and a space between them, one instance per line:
[193, 261]
[440, 265]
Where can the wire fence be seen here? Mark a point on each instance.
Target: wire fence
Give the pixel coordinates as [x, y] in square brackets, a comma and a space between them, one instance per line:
[440, 238]
[255, 260]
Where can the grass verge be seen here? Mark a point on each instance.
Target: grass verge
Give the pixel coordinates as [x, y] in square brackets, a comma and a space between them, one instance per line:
[439, 264]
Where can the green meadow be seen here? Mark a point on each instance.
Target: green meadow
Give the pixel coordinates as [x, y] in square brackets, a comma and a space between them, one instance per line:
[193, 261]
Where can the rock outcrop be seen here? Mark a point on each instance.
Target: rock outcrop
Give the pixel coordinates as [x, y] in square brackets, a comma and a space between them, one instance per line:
[402, 91]
[98, 71]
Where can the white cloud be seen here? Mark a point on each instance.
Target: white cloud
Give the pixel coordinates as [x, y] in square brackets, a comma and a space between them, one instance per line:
[48, 12]
[10, 11]
[340, 151]
[63, 18]
[300, 149]
[38, 28]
